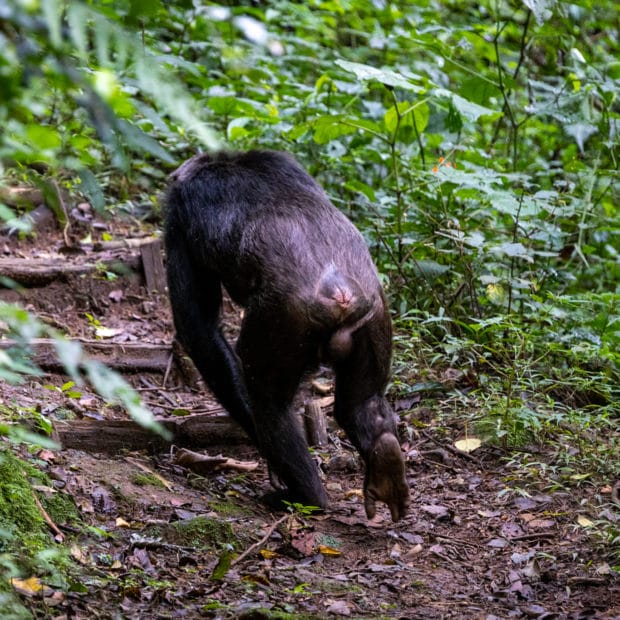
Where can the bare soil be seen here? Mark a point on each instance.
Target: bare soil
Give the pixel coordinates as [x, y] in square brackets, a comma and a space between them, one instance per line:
[477, 542]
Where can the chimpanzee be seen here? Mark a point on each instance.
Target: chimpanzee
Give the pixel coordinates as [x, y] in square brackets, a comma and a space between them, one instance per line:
[258, 224]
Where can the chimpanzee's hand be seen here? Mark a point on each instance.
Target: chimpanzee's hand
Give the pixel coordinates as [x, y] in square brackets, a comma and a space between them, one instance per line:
[385, 478]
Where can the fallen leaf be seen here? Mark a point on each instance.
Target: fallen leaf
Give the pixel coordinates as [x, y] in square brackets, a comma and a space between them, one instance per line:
[339, 608]
[78, 555]
[46, 455]
[304, 542]
[120, 522]
[255, 578]
[325, 550]
[469, 444]
[413, 551]
[30, 587]
[436, 510]
[268, 554]
[107, 332]
[537, 524]
[488, 514]
[584, 521]
[497, 543]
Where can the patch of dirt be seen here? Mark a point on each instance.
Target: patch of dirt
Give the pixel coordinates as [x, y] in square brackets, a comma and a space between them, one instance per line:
[163, 542]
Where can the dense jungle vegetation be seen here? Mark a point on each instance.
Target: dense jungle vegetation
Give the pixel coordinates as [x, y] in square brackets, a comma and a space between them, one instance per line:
[474, 145]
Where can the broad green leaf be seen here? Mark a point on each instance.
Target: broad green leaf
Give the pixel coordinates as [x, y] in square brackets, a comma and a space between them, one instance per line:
[478, 90]
[139, 140]
[43, 137]
[468, 109]
[223, 105]
[327, 128]
[430, 269]
[236, 128]
[367, 73]
[91, 188]
[513, 250]
[412, 115]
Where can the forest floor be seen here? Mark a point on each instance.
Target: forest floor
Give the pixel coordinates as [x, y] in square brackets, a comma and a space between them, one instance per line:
[163, 542]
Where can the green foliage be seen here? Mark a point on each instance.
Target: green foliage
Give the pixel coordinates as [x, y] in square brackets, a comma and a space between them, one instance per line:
[15, 364]
[475, 145]
[25, 544]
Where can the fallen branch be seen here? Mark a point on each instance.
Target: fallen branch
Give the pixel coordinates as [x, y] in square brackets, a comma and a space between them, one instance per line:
[58, 535]
[204, 464]
[262, 541]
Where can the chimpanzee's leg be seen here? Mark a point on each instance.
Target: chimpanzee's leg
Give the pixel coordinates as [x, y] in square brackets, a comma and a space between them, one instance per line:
[363, 412]
[196, 299]
[274, 350]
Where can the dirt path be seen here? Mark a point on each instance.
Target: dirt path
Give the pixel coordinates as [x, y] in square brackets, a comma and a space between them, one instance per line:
[478, 543]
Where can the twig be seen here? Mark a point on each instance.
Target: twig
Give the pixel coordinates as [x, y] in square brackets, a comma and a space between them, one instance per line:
[59, 535]
[262, 541]
[168, 369]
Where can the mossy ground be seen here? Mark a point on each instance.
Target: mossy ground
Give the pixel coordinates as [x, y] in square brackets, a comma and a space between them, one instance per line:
[26, 545]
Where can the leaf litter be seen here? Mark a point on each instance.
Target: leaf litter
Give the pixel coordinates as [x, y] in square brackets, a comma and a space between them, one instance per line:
[159, 541]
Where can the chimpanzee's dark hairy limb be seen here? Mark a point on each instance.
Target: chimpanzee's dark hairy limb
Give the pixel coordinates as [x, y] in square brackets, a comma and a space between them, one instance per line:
[259, 225]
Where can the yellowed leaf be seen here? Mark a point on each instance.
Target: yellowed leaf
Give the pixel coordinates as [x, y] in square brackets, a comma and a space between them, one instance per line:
[268, 554]
[120, 522]
[28, 587]
[325, 550]
[584, 521]
[469, 444]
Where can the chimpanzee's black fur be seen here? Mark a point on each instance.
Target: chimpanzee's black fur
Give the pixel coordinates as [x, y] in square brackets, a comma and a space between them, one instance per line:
[259, 225]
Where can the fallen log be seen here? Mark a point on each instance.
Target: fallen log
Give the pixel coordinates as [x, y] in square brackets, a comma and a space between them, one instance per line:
[41, 271]
[115, 436]
[123, 356]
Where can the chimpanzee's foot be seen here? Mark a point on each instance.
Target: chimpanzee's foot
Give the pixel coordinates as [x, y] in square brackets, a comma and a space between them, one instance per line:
[385, 478]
